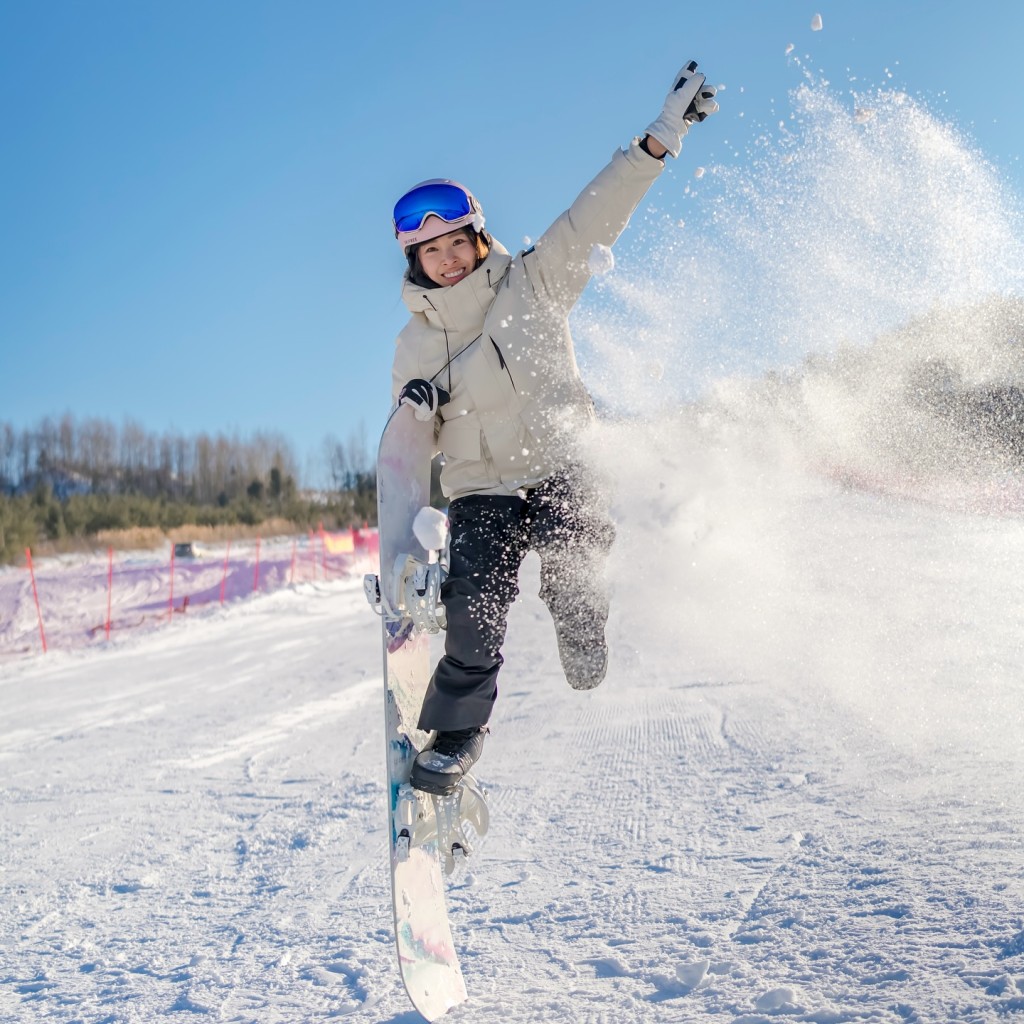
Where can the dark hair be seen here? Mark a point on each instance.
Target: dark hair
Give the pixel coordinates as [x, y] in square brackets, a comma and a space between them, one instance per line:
[481, 242]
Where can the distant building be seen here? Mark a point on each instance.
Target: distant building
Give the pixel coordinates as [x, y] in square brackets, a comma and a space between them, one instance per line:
[62, 484]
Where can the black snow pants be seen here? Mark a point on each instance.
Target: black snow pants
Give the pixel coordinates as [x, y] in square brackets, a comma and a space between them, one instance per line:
[565, 522]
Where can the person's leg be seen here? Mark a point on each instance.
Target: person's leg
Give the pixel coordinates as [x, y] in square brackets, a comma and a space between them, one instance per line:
[484, 557]
[485, 554]
[571, 529]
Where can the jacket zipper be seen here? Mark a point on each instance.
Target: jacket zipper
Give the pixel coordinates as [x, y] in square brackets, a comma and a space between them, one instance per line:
[504, 365]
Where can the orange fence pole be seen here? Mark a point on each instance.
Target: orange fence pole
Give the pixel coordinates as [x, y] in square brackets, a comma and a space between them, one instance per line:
[224, 576]
[35, 594]
[170, 600]
[110, 584]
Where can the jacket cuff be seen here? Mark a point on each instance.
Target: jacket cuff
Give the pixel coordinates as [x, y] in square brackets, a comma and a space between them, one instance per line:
[639, 158]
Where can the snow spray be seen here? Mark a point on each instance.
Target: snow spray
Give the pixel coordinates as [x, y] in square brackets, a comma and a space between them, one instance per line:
[851, 217]
[788, 350]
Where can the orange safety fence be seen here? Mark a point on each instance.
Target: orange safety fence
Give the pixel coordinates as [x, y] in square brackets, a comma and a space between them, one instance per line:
[68, 602]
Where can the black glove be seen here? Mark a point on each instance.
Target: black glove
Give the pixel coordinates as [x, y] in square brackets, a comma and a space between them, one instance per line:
[424, 397]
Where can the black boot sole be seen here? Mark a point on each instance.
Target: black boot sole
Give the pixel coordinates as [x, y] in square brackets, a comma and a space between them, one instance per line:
[426, 782]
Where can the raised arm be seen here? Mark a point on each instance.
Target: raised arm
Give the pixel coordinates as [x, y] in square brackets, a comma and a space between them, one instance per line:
[559, 262]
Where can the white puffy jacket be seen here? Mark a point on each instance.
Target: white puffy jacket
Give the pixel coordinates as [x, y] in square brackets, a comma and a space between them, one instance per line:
[499, 343]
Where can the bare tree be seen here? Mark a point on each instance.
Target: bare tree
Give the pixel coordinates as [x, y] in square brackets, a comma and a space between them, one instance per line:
[336, 458]
[67, 454]
[203, 481]
[8, 451]
[358, 457]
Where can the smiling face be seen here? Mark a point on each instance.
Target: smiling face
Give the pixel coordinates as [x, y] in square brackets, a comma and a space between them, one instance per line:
[448, 259]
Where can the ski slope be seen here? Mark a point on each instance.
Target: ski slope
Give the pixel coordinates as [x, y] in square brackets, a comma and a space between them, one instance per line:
[796, 796]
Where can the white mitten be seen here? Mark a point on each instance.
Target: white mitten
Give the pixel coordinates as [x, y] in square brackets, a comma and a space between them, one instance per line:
[430, 528]
[689, 101]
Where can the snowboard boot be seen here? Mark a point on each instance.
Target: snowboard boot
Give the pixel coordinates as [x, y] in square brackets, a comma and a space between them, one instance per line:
[584, 656]
[439, 769]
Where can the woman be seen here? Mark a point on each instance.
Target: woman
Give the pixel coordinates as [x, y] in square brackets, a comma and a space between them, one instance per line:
[487, 355]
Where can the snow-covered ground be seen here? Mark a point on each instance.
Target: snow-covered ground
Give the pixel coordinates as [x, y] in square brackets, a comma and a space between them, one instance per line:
[797, 796]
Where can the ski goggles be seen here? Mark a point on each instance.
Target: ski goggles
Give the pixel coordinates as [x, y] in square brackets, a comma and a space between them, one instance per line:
[438, 198]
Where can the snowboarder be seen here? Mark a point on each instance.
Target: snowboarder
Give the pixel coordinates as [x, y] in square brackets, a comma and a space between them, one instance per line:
[487, 355]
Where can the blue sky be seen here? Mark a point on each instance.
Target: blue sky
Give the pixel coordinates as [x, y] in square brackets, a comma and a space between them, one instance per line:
[196, 201]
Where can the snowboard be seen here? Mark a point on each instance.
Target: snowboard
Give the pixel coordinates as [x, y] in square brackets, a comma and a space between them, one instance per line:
[425, 832]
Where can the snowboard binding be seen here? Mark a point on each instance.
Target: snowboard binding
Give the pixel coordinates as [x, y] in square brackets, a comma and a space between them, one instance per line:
[413, 601]
[442, 820]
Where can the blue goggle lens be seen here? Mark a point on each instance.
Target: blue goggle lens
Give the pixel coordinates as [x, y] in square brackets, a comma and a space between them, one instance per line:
[442, 200]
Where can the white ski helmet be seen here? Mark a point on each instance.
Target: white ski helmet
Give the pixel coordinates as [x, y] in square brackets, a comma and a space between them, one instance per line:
[433, 208]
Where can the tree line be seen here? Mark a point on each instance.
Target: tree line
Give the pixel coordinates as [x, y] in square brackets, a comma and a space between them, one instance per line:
[66, 479]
